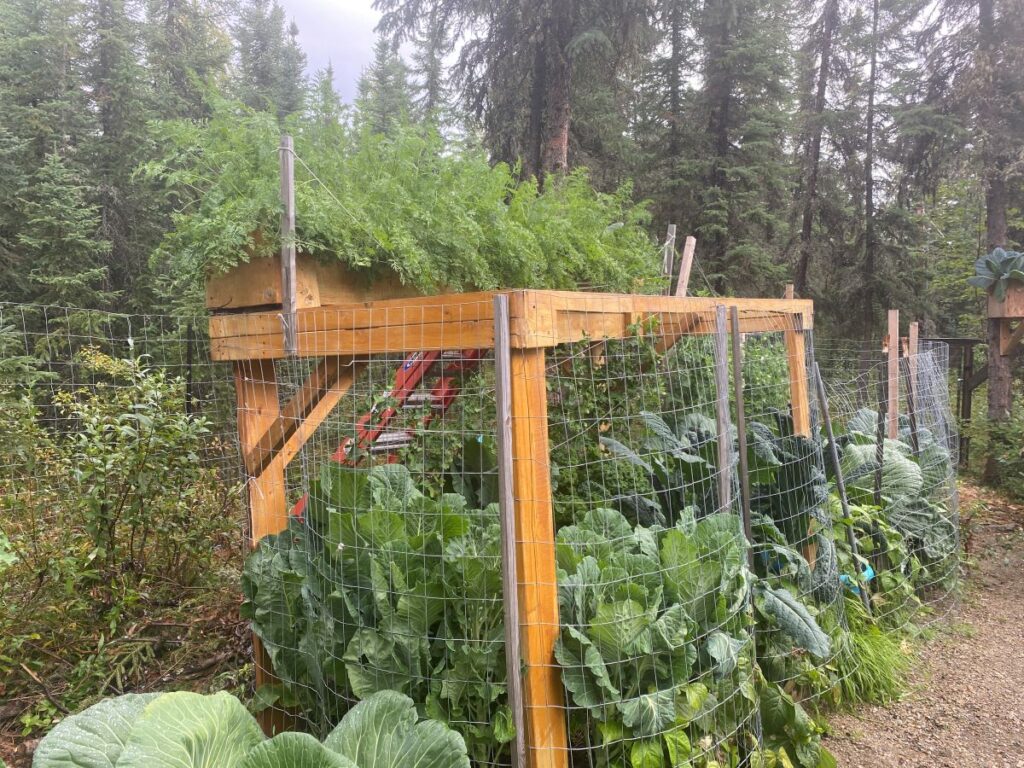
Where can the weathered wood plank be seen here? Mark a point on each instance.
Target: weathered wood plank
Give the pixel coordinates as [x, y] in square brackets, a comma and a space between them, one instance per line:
[796, 358]
[257, 402]
[509, 537]
[893, 374]
[683, 284]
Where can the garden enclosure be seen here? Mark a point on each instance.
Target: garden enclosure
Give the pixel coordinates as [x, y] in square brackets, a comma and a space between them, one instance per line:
[681, 569]
[598, 423]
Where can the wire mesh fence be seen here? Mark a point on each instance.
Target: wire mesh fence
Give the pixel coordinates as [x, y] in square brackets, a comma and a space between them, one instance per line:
[682, 567]
[900, 466]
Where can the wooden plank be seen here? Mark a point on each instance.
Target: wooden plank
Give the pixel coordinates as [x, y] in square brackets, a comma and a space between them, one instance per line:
[330, 379]
[1011, 307]
[471, 334]
[288, 272]
[509, 538]
[537, 319]
[796, 358]
[724, 458]
[362, 315]
[547, 741]
[683, 284]
[257, 404]
[893, 373]
[790, 292]
[741, 429]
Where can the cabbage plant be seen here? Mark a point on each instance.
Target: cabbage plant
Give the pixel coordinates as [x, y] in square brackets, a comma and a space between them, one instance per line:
[189, 730]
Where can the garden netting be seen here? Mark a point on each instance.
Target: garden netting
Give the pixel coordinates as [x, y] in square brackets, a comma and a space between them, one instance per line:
[693, 612]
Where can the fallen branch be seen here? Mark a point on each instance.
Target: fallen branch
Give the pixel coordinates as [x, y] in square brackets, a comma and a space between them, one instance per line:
[45, 690]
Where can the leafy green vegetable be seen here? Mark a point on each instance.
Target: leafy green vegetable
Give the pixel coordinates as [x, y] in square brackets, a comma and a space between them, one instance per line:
[793, 618]
[995, 271]
[94, 738]
[385, 589]
[182, 730]
[188, 730]
[385, 731]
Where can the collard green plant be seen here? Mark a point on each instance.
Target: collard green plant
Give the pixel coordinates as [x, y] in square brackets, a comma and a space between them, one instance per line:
[188, 730]
[383, 588]
[995, 272]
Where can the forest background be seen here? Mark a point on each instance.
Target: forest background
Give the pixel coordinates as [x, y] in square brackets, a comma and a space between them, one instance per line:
[866, 150]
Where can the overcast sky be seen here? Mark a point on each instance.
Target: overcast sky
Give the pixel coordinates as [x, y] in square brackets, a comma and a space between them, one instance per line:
[336, 31]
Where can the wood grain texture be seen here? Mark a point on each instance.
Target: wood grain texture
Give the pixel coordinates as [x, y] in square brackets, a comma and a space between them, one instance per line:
[543, 695]
[257, 402]
[306, 410]
[799, 398]
[893, 375]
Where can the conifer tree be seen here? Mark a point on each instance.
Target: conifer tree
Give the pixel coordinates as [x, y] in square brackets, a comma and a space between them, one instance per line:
[60, 247]
[270, 63]
[385, 101]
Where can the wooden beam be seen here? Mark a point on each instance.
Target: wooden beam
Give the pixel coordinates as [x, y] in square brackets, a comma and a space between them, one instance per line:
[329, 380]
[893, 373]
[796, 358]
[683, 284]
[790, 292]
[538, 319]
[724, 457]
[257, 403]
[543, 695]
[975, 379]
[509, 538]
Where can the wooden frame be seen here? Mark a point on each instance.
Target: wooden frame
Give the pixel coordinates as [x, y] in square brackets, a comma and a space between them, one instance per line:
[344, 335]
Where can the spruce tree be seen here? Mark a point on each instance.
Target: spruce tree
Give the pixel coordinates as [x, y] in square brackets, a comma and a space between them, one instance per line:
[270, 64]
[384, 102]
[61, 250]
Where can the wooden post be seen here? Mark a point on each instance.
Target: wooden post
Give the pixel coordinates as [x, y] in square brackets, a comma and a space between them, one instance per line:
[288, 279]
[722, 409]
[683, 284]
[893, 370]
[509, 538]
[966, 405]
[911, 371]
[796, 355]
[790, 292]
[883, 407]
[741, 430]
[258, 408]
[543, 696]
[668, 257]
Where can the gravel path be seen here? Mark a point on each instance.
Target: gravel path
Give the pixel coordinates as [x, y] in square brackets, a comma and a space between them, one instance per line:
[965, 703]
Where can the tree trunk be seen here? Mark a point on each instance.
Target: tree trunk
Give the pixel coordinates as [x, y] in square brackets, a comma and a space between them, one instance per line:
[674, 78]
[870, 267]
[1000, 379]
[557, 111]
[538, 84]
[828, 23]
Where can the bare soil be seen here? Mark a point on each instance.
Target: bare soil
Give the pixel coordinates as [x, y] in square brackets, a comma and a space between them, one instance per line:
[965, 702]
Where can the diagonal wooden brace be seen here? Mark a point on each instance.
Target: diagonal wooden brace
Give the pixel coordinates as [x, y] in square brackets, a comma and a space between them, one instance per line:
[307, 409]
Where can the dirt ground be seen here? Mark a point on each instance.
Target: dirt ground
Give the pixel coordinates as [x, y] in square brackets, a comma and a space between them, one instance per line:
[965, 703]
